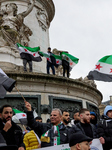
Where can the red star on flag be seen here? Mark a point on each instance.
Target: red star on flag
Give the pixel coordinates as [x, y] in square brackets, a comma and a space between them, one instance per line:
[67, 58]
[23, 115]
[71, 63]
[110, 70]
[57, 61]
[34, 54]
[98, 67]
[25, 50]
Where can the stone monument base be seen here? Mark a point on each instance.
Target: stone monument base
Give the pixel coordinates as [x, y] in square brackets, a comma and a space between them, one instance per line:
[45, 92]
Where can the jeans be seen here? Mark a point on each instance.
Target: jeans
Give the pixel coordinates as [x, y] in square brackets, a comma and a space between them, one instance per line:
[50, 65]
[25, 61]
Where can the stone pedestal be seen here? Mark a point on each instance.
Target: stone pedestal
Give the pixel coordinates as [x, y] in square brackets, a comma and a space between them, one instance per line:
[45, 92]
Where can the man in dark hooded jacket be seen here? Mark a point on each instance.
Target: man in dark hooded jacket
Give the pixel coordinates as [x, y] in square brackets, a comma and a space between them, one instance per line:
[104, 128]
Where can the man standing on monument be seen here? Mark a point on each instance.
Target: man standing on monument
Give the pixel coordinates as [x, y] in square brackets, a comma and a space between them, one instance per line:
[50, 62]
[26, 59]
[56, 130]
[11, 132]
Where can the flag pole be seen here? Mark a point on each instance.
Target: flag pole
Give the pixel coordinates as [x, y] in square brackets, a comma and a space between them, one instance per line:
[20, 94]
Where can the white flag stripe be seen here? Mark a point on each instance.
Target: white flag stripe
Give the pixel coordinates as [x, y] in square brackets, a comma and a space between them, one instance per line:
[106, 68]
[21, 115]
[21, 50]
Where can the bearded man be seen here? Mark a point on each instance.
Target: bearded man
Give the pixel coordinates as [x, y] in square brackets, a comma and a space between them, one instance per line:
[11, 132]
[66, 121]
[84, 125]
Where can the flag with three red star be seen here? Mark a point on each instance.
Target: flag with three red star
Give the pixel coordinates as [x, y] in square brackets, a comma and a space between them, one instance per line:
[33, 53]
[102, 70]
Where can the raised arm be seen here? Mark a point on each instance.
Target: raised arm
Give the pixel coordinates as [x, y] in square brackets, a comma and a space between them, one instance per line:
[31, 4]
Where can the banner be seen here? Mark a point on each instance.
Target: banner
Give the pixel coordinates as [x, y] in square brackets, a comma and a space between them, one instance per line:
[96, 145]
[58, 147]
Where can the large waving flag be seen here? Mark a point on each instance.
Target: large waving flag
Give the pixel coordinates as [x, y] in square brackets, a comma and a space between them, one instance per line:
[102, 70]
[6, 83]
[69, 58]
[33, 52]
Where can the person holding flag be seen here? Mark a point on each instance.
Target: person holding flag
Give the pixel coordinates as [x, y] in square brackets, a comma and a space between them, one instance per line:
[65, 63]
[28, 60]
[50, 62]
[28, 55]
[55, 131]
[68, 62]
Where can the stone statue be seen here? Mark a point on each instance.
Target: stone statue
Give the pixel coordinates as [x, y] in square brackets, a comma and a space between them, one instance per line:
[42, 19]
[12, 28]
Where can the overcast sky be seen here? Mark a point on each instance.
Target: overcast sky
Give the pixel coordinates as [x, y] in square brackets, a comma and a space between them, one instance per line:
[84, 28]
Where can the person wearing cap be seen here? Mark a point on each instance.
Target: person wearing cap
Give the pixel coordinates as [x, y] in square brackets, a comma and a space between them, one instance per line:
[11, 132]
[104, 128]
[50, 62]
[79, 141]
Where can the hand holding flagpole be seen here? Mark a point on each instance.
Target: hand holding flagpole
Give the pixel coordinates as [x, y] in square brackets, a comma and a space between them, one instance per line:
[28, 106]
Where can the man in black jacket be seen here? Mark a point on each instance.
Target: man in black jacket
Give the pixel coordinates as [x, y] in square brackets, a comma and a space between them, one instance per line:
[10, 131]
[66, 121]
[26, 59]
[55, 130]
[84, 125]
[50, 61]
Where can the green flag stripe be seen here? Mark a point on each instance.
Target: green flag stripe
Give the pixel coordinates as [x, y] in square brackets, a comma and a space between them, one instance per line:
[44, 54]
[58, 138]
[74, 59]
[17, 111]
[34, 49]
[57, 57]
[106, 59]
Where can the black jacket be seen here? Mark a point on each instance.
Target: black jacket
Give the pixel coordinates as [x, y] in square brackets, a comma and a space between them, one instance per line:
[26, 56]
[41, 128]
[13, 136]
[104, 130]
[92, 127]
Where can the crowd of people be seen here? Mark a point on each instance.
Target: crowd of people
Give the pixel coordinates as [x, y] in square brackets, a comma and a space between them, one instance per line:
[58, 129]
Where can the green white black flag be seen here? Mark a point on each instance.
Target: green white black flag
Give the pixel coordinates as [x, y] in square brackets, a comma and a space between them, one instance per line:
[102, 70]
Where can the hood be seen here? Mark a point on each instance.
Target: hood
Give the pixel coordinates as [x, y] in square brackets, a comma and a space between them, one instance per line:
[107, 108]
